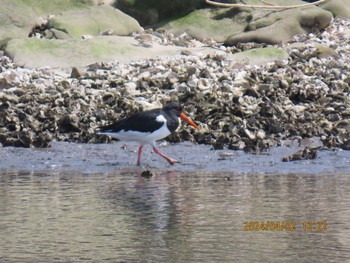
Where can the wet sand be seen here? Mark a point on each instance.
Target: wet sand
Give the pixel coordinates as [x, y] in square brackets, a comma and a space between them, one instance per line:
[121, 157]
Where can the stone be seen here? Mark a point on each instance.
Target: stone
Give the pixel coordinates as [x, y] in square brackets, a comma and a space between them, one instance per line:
[205, 24]
[279, 27]
[76, 73]
[18, 17]
[94, 21]
[339, 8]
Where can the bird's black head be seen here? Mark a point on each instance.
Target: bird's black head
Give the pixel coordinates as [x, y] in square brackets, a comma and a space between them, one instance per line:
[176, 108]
[173, 107]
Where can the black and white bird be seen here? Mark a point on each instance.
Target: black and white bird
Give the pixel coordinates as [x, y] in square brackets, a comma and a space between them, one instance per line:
[147, 127]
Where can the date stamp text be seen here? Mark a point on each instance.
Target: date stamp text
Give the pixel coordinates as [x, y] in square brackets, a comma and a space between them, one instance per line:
[307, 226]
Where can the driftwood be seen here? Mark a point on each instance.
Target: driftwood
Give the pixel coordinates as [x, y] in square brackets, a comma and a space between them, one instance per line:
[267, 6]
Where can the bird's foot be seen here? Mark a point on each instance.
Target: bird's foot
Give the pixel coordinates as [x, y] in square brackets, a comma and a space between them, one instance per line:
[173, 161]
[170, 160]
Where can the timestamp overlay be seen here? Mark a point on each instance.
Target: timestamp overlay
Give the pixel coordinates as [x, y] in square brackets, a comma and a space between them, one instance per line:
[306, 226]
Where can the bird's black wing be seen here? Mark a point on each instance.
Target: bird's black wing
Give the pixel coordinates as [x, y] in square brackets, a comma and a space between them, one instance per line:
[144, 121]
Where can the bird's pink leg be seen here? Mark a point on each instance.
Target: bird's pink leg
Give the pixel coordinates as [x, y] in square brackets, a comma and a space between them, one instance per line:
[170, 160]
[139, 155]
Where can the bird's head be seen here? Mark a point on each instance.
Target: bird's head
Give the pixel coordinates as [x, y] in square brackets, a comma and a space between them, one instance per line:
[177, 107]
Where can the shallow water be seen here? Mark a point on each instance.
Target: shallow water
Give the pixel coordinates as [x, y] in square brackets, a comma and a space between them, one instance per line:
[75, 203]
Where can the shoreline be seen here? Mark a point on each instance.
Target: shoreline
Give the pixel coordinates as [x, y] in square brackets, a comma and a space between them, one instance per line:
[120, 158]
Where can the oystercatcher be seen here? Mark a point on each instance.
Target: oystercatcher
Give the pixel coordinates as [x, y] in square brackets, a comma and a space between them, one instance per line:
[146, 127]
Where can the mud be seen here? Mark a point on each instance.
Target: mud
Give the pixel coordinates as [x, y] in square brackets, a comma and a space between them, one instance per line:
[121, 157]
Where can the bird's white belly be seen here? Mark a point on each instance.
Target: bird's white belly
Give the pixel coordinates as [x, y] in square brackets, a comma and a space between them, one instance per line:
[141, 137]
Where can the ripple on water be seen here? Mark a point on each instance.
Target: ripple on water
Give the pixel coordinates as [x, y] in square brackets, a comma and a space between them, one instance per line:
[171, 216]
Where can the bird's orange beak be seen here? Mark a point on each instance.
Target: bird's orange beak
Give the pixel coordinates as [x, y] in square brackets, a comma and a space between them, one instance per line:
[188, 120]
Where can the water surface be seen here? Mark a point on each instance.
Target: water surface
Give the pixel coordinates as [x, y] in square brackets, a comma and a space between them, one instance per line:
[99, 210]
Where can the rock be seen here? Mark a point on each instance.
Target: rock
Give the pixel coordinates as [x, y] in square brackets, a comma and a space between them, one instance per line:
[59, 34]
[305, 154]
[17, 17]
[94, 21]
[146, 174]
[4, 83]
[277, 27]
[325, 52]
[131, 88]
[208, 23]
[76, 73]
[233, 25]
[149, 12]
[25, 19]
[8, 98]
[339, 8]
[260, 56]
[36, 53]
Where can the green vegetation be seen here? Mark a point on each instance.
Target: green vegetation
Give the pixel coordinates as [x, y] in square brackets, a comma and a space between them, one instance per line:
[35, 44]
[202, 23]
[44, 7]
[266, 52]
